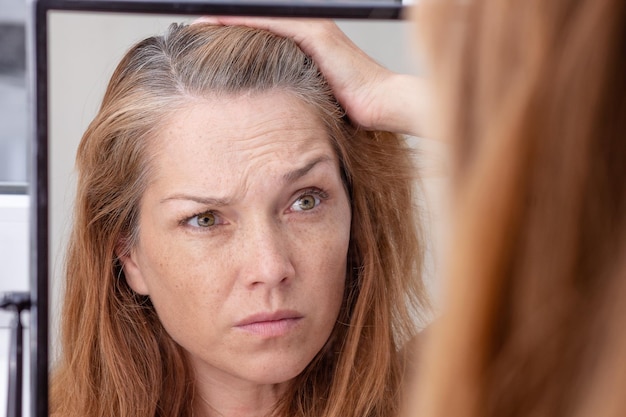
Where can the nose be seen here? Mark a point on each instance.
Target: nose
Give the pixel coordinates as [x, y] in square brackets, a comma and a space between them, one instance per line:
[266, 259]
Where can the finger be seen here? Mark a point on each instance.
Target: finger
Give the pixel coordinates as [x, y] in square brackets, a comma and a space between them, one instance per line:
[212, 20]
[302, 30]
[281, 26]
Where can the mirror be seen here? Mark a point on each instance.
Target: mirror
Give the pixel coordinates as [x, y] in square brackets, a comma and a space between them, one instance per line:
[83, 48]
[80, 67]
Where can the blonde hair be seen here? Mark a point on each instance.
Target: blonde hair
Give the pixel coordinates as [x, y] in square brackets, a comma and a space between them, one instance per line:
[532, 94]
[117, 360]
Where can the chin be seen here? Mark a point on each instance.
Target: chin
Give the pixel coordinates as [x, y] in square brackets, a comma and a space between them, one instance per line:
[278, 371]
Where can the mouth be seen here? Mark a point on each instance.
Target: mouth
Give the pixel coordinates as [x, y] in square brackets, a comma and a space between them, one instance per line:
[270, 324]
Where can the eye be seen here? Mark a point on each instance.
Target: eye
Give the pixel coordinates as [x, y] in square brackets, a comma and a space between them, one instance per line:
[305, 202]
[205, 219]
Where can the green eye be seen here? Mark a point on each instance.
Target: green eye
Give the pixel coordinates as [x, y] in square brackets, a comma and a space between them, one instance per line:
[305, 202]
[206, 219]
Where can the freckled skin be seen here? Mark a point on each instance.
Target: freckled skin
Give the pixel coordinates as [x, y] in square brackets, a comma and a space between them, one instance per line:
[263, 254]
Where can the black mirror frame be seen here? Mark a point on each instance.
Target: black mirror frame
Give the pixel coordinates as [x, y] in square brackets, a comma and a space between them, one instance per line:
[38, 102]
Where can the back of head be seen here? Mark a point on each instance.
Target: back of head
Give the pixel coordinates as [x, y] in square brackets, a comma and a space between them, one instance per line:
[533, 96]
[116, 357]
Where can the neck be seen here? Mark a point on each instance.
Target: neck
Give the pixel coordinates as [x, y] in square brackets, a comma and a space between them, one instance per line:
[223, 399]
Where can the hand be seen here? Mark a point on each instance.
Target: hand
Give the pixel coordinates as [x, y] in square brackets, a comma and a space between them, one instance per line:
[373, 96]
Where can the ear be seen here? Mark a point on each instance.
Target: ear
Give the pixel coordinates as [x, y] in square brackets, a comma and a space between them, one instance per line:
[132, 271]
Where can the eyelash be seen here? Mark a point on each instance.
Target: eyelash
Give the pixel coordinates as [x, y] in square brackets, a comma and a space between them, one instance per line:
[186, 220]
[317, 192]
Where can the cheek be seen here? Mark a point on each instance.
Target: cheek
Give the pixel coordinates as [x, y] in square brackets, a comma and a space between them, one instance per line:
[181, 274]
[324, 255]
[332, 253]
[329, 253]
[190, 294]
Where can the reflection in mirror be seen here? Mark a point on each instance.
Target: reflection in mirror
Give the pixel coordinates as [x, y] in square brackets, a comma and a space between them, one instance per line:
[83, 51]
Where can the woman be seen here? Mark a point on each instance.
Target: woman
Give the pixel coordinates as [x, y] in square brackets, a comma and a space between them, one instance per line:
[532, 96]
[239, 247]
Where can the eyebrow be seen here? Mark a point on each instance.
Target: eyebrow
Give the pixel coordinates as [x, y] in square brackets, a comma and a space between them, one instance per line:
[296, 174]
[207, 201]
[288, 177]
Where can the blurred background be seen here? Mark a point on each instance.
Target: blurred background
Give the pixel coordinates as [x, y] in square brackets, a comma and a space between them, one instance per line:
[12, 91]
[13, 175]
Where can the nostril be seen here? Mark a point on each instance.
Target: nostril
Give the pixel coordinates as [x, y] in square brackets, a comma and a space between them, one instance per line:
[267, 257]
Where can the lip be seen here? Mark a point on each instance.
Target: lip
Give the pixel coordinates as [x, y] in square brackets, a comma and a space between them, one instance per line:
[270, 324]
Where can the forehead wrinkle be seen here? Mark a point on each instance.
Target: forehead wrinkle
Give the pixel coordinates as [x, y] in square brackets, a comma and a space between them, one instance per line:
[270, 145]
[304, 164]
[265, 146]
[272, 136]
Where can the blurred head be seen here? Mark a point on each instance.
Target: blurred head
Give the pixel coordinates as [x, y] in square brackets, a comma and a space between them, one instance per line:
[221, 180]
[532, 96]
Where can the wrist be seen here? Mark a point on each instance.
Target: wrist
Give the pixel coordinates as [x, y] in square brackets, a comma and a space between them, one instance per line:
[406, 107]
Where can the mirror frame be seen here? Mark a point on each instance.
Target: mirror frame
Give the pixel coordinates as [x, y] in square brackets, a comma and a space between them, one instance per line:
[37, 67]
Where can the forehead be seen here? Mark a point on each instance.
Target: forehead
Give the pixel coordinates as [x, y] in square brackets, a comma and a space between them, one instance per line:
[242, 132]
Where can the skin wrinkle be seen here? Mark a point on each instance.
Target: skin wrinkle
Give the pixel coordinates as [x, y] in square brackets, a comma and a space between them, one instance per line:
[289, 177]
[243, 139]
[262, 257]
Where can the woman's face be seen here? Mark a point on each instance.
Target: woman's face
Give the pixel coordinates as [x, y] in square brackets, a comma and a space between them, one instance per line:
[243, 237]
